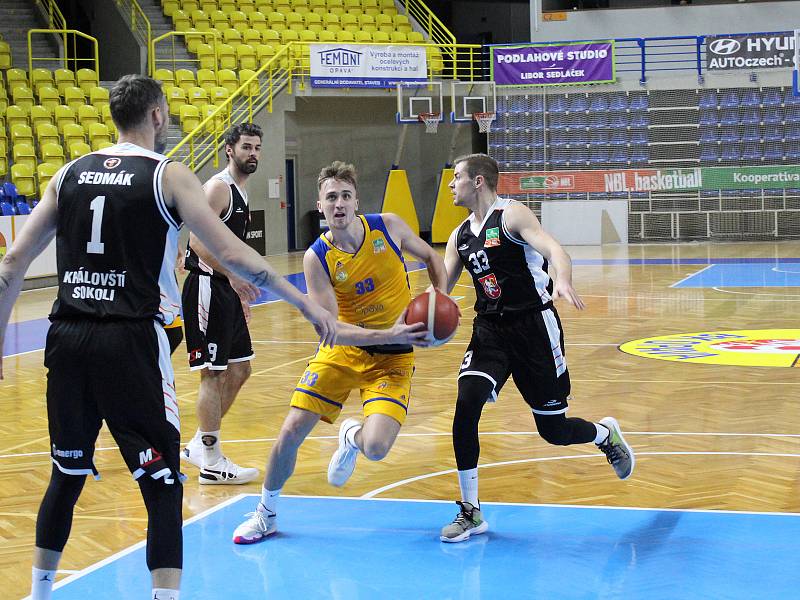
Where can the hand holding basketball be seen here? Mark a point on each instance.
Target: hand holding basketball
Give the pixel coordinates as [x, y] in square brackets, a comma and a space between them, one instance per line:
[438, 312]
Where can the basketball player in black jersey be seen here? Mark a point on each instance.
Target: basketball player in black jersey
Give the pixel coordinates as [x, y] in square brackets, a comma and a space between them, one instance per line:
[115, 215]
[517, 331]
[216, 308]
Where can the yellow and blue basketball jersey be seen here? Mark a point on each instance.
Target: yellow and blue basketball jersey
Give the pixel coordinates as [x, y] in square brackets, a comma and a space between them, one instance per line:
[371, 285]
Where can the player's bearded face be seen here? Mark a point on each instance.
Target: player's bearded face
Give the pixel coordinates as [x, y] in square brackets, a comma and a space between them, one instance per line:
[246, 153]
[160, 142]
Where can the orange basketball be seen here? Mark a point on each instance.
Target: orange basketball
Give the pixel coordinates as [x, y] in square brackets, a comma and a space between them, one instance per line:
[439, 314]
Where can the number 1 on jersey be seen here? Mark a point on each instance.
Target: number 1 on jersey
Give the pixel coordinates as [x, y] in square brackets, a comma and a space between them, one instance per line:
[95, 246]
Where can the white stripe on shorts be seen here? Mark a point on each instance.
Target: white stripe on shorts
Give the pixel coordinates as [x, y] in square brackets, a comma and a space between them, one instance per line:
[554, 333]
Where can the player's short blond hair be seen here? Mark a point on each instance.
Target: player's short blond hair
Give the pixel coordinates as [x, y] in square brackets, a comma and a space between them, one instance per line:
[338, 170]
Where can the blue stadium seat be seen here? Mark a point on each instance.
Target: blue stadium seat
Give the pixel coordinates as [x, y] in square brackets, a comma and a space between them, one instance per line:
[578, 138]
[708, 135]
[708, 117]
[23, 208]
[578, 121]
[729, 134]
[729, 117]
[752, 151]
[618, 121]
[598, 103]
[640, 119]
[618, 102]
[773, 133]
[793, 153]
[773, 151]
[578, 103]
[709, 193]
[751, 134]
[772, 115]
[638, 137]
[793, 113]
[750, 98]
[598, 137]
[639, 102]
[751, 116]
[709, 153]
[789, 98]
[598, 157]
[640, 156]
[578, 157]
[598, 119]
[557, 104]
[10, 191]
[559, 157]
[619, 156]
[771, 98]
[708, 99]
[557, 121]
[559, 139]
[536, 103]
[730, 152]
[619, 138]
[6, 209]
[793, 132]
[730, 99]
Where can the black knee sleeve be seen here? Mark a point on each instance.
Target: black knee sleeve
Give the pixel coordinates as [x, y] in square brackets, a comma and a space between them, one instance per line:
[473, 392]
[55, 513]
[164, 535]
[561, 431]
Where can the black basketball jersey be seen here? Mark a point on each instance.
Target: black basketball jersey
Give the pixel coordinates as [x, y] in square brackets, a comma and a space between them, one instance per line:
[116, 239]
[507, 273]
[236, 216]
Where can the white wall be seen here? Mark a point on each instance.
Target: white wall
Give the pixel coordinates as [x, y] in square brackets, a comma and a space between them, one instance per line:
[668, 21]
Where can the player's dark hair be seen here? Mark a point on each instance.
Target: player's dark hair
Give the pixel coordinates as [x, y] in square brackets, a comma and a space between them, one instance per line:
[481, 164]
[338, 170]
[233, 134]
[131, 98]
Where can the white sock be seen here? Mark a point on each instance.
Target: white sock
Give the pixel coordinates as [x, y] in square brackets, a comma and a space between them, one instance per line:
[165, 594]
[212, 448]
[42, 583]
[269, 498]
[468, 482]
[350, 436]
[602, 433]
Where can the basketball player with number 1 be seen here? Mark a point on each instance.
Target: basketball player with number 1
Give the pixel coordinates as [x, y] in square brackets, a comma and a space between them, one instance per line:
[517, 331]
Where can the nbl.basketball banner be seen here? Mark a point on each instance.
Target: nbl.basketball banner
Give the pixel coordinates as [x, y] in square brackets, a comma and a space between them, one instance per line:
[362, 65]
[650, 180]
[553, 64]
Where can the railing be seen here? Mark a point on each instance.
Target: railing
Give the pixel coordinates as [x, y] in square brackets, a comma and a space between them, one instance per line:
[137, 21]
[174, 60]
[69, 57]
[55, 18]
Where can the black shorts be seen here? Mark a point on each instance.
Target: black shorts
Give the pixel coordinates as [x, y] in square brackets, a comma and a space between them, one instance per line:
[528, 346]
[216, 331]
[120, 372]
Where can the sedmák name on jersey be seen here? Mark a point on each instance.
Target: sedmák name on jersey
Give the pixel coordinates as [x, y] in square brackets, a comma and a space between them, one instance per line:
[105, 178]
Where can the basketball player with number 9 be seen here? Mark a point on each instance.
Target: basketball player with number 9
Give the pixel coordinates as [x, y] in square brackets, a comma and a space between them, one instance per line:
[517, 331]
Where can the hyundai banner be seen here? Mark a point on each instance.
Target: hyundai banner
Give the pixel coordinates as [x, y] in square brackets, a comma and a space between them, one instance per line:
[342, 65]
[750, 51]
[553, 64]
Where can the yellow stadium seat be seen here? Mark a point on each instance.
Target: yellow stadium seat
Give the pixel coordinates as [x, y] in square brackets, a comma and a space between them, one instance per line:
[401, 23]
[47, 133]
[181, 21]
[363, 36]
[208, 6]
[41, 77]
[331, 22]
[206, 77]
[312, 19]
[381, 37]
[104, 145]
[308, 36]
[251, 37]
[227, 79]
[88, 114]
[277, 21]
[52, 153]
[334, 4]
[271, 37]
[217, 122]
[193, 39]
[326, 35]
[369, 3]
[200, 20]
[40, 114]
[185, 79]
[232, 37]
[264, 53]
[165, 76]
[87, 79]
[74, 97]
[295, 21]
[219, 21]
[254, 87]
[98, 134]
[299, 3]
[246, 57]
[5, 57]
[246, 6]
[384, 20]
[189, 5]
[281, 6]
[22, 176]
[347, 21]
[312, 4]
[345, 36]
[218, 95]
[21, 134]
[73, 132]
[367, 23]
[415, 37]
[315, 27]
[16, 77]
[64, 78]
[24, 154]
[206, 56]
[197, 96]
[23, 96]
[337, 10]
[301, 10]
[372, 12]
[238, 19]
[227, 56]
[348, 4]
[63, 115]
[170, 7]
[98, 95]
[49, 96]
[190, 118]
[105, 114]
[398, 37]
[45, 172]
[385, 5]
[78, 149]
[289, 35]
[321, 11]
[227, 6]
[16, 114]
[435, 59]
[176, 97]
[257, 21]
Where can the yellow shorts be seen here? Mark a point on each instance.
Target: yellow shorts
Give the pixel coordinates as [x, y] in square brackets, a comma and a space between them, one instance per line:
[384, 381]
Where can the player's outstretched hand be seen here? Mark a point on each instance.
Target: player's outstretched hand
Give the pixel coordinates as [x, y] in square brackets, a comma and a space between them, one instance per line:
[413, 333]
[324, 323]
[246, 291]
[566, 291]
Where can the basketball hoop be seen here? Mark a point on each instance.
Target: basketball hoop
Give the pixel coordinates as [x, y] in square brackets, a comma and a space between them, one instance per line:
[484, 120]
[431, 120]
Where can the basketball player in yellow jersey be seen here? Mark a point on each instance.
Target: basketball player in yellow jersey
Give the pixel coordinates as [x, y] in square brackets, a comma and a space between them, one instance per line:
[355, 270]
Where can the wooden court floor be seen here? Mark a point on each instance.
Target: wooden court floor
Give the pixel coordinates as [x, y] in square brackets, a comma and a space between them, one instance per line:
[707, 436]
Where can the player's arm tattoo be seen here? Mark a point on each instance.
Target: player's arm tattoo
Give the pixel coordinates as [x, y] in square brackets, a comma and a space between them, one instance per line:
[3, 284]
[264, 279]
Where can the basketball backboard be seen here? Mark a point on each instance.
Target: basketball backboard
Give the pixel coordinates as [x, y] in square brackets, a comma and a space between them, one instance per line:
[416, 98]
[470, 97]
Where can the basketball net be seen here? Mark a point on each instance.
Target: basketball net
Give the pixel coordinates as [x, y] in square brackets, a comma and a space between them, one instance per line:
[484, 120]
[431, 121]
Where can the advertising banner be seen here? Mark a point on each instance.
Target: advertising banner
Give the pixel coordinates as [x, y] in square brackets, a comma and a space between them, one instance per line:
[553, 64]
[342, 65]
[651, 180]
[255, 232]
[750, 51]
